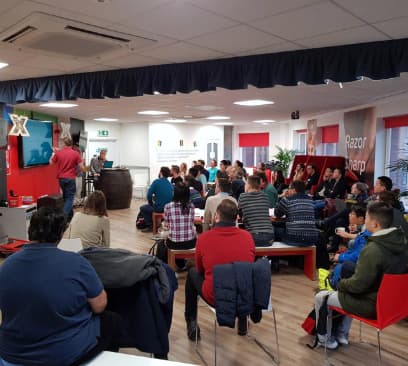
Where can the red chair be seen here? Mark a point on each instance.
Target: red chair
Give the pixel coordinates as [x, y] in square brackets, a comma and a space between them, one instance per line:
[392, 305]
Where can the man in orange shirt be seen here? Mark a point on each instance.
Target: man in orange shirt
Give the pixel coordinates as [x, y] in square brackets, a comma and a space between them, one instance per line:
[67, 161]
[224, 243]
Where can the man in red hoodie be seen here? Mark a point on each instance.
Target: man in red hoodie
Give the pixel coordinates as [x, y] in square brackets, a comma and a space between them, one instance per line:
[223, 244]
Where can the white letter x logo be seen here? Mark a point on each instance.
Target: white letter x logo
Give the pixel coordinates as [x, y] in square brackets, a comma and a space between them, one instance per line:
[19, 125]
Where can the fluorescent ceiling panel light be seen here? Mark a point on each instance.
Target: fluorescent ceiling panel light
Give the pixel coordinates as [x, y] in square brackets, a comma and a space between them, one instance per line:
[224, 124]
[254, 102]
[3, 65]
[58, 105]
[103, 119]
[175, 120]
[264, 121]
[218, 117]
[153, 113]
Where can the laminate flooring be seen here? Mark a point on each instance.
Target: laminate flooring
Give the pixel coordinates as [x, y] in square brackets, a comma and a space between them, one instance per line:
[292, 298]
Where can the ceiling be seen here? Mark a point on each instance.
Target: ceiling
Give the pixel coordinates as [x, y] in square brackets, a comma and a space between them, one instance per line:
[192, 30]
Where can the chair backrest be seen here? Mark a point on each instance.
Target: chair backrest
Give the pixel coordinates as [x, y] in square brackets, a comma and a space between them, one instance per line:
[70, 245]
[392, 299]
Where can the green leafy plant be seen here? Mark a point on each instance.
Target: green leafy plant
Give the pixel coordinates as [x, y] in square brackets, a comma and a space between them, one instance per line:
[285, 158]
[400, 165]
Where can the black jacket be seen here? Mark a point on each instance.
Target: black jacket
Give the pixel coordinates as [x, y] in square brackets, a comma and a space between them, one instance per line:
[241, 288]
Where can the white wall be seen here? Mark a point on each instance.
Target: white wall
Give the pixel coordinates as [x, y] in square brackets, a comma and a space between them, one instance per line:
[170, 152]
[111, 143]
[134, 144]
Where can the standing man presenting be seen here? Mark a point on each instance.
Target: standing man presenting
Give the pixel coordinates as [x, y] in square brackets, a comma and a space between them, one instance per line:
[67, 161]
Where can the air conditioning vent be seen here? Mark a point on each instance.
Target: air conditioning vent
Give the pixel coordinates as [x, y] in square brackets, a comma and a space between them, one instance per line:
[19, 34]
[41, 32]
[97, 34]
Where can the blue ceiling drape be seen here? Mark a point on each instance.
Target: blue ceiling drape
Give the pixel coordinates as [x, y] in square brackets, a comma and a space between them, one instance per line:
[376, 60]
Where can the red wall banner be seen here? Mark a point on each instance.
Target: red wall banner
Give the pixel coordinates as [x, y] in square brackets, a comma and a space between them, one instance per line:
[360, 131]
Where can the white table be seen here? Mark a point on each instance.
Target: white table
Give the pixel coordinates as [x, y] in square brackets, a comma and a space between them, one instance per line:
[119, 359]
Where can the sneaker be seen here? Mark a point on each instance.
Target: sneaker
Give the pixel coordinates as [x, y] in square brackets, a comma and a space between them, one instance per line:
[192, 328]
[342, 340]
[242, 326]
[331, 343]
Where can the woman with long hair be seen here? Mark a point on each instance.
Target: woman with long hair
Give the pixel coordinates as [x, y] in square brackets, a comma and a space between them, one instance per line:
[92, 225]
[179, 219]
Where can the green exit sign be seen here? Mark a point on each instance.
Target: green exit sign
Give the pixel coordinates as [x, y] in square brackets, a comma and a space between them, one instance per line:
[103, 133]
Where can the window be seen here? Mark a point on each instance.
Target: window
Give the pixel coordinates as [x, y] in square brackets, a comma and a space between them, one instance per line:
[397, 148]
[330, 139]
[299, 141]
[254, 147]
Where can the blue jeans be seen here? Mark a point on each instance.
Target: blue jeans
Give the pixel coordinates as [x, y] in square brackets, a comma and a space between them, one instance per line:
[344, 326]
[68, 187]
[263, 239]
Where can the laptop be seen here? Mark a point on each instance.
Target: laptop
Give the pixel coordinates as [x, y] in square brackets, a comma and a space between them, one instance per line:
[108, 164]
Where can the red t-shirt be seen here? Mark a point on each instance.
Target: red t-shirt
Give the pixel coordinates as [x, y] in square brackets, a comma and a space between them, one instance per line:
[221, 245]
[67, 161]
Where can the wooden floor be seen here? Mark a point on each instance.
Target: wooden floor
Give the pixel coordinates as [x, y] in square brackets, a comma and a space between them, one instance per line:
[292, 298]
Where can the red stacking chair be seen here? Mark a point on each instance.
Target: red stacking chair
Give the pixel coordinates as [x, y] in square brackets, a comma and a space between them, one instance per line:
[392, 305]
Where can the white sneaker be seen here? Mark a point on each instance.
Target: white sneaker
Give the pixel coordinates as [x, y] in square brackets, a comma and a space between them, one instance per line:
[331, 343]
[342, 340]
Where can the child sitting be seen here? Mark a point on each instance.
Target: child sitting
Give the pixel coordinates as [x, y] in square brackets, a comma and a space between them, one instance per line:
[347, 260]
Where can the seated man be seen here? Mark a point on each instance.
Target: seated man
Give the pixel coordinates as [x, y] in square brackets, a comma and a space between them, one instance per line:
[300, 222]
[159, 193]
[269, 189]
[324, 187]
[254, 206]
[225, 243]
[386, 251]
[312, 176]
[51, 300]
[222, 190]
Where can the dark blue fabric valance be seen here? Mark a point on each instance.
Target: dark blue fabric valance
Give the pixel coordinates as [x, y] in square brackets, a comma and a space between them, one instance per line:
[376, 60]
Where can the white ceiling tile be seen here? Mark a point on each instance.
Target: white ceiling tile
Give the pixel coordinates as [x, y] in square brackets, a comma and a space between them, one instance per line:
[235, 39]
[246, 11]
[113, 11]
[375, 10]
[397, 28]
[180, 20]
[182, 52]
[11, 54]
[308, 21]
[64, 64]
[349, 36]
[15, 72]
[94, 67]
[274, 48]
[133, 60]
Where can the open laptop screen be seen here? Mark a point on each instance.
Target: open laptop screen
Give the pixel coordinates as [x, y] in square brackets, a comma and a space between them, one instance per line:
[108, 164]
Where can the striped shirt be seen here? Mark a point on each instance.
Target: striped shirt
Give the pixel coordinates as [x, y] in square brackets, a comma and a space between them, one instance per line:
[255, 212]
[300, 218]
[181, 225]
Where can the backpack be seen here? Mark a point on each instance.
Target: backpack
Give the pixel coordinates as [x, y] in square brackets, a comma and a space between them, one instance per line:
[140, 222]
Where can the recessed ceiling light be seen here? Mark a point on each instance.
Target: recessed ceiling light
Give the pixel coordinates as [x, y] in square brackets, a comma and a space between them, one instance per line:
[175, 120]
[58, 105]
[3, 65]
[223, 124]
[264, 121]
[218, 117]
[103, 119]
[153, 113]
[254, 102]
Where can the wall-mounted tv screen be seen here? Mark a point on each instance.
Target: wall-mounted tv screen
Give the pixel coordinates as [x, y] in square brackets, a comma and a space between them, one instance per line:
[36, 149]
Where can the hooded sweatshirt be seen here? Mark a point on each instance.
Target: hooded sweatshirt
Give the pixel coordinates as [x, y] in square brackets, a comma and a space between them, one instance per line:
[386, 251]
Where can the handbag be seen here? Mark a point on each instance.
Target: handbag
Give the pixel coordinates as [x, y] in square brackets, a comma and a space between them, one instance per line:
[159, 250]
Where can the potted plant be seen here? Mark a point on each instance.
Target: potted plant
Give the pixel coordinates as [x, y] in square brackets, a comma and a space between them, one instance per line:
[284, 158]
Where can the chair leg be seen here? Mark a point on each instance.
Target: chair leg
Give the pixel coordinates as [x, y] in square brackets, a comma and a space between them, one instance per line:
[379, 347]
[215, 341]
[276, 337]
